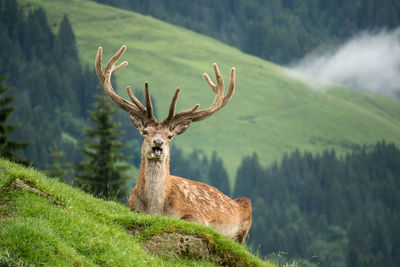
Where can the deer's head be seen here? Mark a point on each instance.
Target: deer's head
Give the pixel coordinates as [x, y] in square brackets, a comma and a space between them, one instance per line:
[157, 135]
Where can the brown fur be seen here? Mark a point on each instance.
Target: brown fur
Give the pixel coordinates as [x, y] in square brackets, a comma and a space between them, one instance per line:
[195, 202]
[159, 192]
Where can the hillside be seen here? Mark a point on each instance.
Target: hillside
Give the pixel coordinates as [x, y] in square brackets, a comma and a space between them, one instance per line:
[271, 113]
[45, 222]
[277, 30]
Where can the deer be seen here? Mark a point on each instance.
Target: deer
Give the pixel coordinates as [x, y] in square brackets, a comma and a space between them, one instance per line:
[156, 190]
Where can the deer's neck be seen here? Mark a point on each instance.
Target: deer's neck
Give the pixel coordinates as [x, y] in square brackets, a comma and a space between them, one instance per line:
[154, 183]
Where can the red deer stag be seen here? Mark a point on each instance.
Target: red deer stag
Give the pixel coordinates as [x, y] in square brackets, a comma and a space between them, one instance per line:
[159, 192]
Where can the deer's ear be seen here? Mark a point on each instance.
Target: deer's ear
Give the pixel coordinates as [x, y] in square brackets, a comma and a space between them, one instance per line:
[180, 128]
[137, 122]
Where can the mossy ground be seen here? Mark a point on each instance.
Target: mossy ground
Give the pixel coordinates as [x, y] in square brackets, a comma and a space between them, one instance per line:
[63, 226]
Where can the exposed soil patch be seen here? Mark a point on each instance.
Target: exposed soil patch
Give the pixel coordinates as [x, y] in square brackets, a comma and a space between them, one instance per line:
[177, 245]
[135, 230]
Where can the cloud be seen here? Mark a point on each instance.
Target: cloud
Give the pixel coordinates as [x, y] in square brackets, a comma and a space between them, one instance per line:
[369, 61]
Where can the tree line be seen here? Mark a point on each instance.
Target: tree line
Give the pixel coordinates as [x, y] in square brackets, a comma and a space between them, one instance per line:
[345, 210]
[277, 30]
[43, 70]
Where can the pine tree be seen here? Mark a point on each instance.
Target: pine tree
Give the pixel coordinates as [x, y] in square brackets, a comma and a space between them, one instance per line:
[58, 168]
[66, 40]
[248, 177]
[70, 71]
[102, 171]
[218, 175]
[37, 38]
[8, 147]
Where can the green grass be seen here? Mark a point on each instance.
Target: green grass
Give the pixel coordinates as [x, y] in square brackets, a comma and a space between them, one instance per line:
[62, 226]
[271, 112]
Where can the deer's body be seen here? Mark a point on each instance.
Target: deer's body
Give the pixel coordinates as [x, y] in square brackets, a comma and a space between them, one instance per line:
[156, 190]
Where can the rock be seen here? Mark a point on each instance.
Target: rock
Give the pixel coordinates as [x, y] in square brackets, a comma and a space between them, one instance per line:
[177, 245]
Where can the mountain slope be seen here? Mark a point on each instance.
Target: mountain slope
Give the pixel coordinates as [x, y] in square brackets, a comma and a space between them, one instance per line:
[271, 112]
[45, 222]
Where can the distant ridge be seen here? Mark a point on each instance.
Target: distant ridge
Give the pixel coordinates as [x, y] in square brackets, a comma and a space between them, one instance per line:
[270, 113]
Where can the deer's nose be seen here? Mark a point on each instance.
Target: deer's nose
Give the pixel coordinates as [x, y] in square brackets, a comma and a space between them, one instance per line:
[158, 142]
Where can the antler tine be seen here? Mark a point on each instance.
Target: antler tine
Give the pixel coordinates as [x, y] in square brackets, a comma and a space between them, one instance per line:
[149, 106]
[172, 106]
[98, 64]
[220, 82]
[231, 89]
[135, 100]
[110, 64]
[105, 78]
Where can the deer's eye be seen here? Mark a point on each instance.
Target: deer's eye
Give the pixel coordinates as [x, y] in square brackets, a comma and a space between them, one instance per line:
[170, 136]
[144, 132]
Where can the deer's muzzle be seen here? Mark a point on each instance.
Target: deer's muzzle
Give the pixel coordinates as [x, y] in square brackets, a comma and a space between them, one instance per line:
[157, 152]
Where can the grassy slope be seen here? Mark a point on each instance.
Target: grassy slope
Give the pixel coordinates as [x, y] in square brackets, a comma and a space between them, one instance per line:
[80, 230]
[270, 113]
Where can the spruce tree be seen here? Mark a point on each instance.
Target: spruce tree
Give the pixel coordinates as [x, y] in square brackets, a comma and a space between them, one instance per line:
[66, 40]
[218, 175]
[58, 168]
[70, 71]
[8, 147]
[248, 177]
[102, 170]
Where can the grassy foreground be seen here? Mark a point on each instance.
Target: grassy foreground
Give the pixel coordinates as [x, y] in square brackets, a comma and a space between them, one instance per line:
[45, 222]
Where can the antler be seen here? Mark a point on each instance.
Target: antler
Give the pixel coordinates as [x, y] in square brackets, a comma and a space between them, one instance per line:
[192, 115]
[136, 108]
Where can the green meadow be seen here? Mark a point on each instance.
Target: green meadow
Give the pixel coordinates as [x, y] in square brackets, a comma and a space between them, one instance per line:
[271, 113]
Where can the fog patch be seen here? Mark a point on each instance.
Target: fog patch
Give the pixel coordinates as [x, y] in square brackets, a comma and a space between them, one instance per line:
[369, 61]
